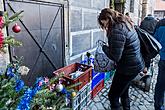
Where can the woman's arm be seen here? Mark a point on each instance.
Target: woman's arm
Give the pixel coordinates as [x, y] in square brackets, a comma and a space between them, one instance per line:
[116, 43]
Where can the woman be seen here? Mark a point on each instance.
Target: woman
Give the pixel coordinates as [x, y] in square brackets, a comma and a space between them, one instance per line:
[124, 49]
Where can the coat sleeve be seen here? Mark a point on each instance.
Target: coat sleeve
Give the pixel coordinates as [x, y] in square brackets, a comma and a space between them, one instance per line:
[156, 35]
[116, 43]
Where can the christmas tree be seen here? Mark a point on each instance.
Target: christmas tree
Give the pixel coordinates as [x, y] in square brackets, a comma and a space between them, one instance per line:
[53, 95]
[11, 86]
[5, 20]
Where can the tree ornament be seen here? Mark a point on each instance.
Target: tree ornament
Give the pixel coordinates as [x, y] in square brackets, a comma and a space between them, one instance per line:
[1, 22]
[1, 19]
[59, 87]
[23, 70]
[1, 39]
[73, 94]
[16, 28]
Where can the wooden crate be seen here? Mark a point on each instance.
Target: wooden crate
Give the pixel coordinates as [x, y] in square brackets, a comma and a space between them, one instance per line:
[83, 78]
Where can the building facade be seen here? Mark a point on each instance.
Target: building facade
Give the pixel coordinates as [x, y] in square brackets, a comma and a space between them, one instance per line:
[134, 8]
[84, 26]
[84, 29]
[57, 40]
[81, 27]
[159, 11]
[151, 7]
[138, 9]
[73, 34]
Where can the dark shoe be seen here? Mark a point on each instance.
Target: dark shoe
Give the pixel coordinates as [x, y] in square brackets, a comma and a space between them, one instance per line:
[116, 109]
[125, 104]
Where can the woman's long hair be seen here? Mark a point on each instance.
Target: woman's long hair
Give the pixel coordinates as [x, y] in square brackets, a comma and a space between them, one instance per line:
[114, 17]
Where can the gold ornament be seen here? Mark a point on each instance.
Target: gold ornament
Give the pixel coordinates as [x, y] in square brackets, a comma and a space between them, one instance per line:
[73, 94]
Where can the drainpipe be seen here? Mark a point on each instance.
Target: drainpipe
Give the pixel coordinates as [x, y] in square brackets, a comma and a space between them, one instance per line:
[67, 57]
[144, 8]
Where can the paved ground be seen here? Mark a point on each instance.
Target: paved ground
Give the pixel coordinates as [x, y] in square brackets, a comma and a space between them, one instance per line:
[139, 100]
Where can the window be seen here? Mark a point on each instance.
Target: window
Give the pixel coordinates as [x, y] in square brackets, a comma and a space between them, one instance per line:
[132, 6]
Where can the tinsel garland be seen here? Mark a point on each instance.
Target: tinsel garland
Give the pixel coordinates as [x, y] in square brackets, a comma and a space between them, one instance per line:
[29, 94]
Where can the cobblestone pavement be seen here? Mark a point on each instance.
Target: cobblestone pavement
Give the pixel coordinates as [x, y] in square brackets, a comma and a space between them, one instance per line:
[139, 100]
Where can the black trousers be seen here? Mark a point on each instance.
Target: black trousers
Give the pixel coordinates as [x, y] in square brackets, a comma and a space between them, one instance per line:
[147, 63]
[119, 90]
[159, 96]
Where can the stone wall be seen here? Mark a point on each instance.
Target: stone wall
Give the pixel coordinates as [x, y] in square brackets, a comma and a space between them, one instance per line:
[84, 29]
[1, 5]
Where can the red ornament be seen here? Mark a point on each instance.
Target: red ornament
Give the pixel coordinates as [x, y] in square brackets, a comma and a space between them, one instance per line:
[16, 28]
[1, 39]
[1, 22]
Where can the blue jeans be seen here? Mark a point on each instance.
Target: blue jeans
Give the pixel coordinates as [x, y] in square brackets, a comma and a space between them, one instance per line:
[160, 87]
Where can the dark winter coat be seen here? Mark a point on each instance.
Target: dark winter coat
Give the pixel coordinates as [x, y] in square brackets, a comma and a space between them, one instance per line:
[160, 36]
[148, 24]
[124, 49]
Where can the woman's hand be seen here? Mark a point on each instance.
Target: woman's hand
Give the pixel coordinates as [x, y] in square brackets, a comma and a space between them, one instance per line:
[145, 70]
[101, 43]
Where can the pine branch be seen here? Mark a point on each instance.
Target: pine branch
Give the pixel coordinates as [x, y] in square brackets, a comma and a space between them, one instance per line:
[59, 103]
[58, 100]
[13, 18]
[66, 109]
[16, 15]
[9, 40]
[74, 85]
[62, 105]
